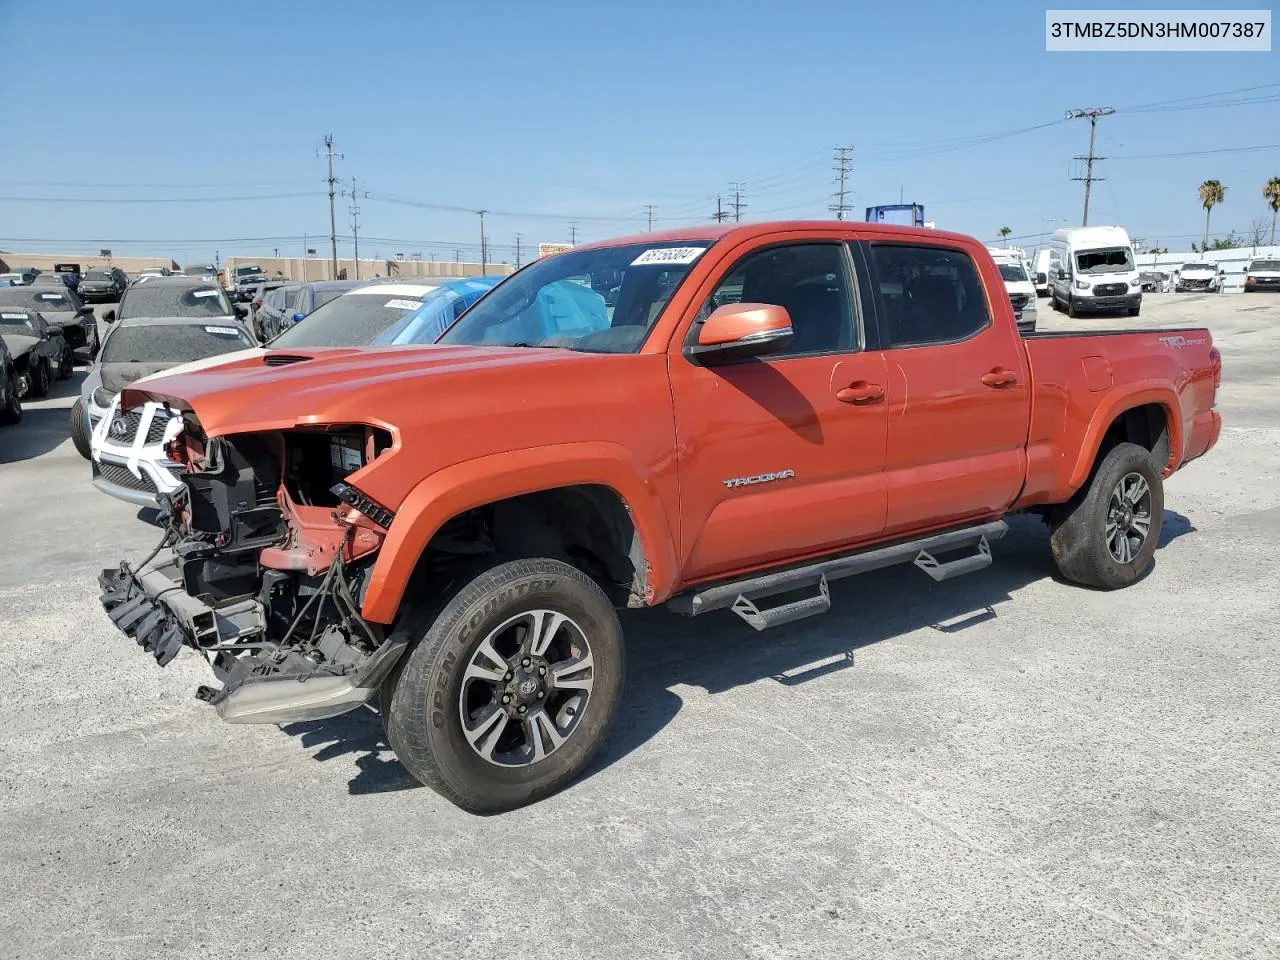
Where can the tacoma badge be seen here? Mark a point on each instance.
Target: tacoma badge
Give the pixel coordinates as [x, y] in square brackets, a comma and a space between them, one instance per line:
[762, 478]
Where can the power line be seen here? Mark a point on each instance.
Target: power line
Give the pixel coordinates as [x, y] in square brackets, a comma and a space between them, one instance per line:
[844, 165]
[1092, 113]
[484, 248]
[260, 196]
[648, 210]
[518, 239]
[333, 223]
[737, 201]
[721, 214]
[355, 224]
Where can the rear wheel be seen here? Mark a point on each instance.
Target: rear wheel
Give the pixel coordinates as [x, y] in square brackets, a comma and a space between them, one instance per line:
[80, 430]
[1106, 536]
[511, 690]
[66, 363]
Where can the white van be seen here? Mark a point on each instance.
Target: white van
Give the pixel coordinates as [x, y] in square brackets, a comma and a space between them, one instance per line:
[1040, 272]
[1092, 269]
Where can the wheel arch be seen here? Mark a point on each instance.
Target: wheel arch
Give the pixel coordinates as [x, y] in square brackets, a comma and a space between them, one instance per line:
[500, 479]
[1147, 416]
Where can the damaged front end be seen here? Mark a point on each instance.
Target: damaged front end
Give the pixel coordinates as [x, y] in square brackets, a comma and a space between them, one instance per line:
[265, 558]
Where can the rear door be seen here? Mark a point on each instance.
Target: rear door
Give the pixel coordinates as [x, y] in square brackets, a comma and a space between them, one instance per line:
[958, 399]
[773, 463]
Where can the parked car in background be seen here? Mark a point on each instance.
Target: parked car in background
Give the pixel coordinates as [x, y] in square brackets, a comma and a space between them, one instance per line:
[1022, 293]
[247, 276]
[258, 298]
[1092, 270]
[36, 349]
[269, 308]
[357, 316]
[439, 309]
[103, 285]
[1201, 275]
[163, 297]
[127, 449]
[10, 389]
[1262, 274]
[1153, 281]
[20, 277]
[56, 279]
[293, 303]
[154, 272]
[202, 271]
[61, 307]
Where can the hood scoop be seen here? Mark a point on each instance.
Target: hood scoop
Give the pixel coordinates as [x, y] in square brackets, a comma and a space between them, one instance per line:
[284, 359]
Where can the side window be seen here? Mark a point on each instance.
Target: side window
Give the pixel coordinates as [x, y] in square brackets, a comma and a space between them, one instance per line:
[928, 294]
[810, 280]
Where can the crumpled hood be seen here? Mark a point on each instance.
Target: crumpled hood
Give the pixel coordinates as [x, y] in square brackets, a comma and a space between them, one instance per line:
[19, 345]
[279, 389]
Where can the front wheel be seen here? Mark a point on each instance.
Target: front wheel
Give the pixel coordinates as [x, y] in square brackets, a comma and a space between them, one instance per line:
[11, 412]
[66, 363]
[1106, 536]
[1071, 308]
[80, 432]
[1134, 311]
[511, 690]
[38, 377]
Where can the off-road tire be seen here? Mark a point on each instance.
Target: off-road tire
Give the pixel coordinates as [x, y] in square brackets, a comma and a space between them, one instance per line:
[1078, 538]
[420, 699]
[80, 429]
[11, 413]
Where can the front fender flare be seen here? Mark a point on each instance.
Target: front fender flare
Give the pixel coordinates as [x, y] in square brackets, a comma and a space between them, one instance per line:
[474, 483]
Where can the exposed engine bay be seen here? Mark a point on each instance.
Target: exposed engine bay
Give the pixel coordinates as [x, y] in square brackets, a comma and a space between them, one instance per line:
[262, 567]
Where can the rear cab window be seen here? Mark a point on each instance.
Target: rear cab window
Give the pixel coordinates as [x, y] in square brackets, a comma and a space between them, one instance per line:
[927, 295]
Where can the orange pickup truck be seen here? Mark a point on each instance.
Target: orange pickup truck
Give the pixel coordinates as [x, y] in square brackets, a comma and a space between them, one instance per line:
[706, 418]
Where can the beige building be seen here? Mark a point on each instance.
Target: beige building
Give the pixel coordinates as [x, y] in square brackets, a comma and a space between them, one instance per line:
[45, 261]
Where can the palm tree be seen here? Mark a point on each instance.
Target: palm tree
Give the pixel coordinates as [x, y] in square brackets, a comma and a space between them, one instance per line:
[1211, 192]
[1004, 232]
[1272, 194]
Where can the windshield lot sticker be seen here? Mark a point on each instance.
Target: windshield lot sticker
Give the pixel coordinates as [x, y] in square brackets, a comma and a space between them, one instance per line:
[13, 316]
[669, 255]
[204, 293]
[402, 304]
[223, 331]
[50, 296]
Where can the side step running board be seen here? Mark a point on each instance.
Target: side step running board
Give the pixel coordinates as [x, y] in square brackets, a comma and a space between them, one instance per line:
[741, 595]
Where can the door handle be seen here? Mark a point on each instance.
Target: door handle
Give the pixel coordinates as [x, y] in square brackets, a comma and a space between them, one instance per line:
[860, 393]
[1000, 378]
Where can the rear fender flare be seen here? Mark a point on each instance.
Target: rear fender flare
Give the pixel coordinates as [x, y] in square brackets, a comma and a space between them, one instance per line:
[1112, 406]
[474, 483]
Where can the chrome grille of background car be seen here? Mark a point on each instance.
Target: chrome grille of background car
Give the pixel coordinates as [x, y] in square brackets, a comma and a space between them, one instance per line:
[132, 421]
[1110, 289]
[121, 476]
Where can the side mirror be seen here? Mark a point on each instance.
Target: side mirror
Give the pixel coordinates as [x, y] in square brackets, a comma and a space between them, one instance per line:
[737, 331]
[84, 309]
[241, 310]
[109, 316]
[298, 316]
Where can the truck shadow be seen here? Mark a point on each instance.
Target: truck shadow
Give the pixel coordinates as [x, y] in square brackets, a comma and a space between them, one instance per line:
[719, 652]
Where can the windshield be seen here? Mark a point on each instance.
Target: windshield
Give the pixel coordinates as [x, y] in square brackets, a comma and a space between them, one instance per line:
[1012, 272]
[600, 300]
[98, 275]
[1104, 260]
[248, 270]
[1199, 266]
[172, 344]
[44, 300]
[320, 297]
[18, 323]
[175, 300]
[1265, 265]
[199, 270]
[351, 320]
[439, 309]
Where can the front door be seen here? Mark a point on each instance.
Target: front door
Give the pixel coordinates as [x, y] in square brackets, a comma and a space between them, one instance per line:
[958, 397]
[782, 455]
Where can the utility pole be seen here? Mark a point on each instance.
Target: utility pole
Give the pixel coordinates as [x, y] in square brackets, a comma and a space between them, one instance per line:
[721, 214]
[1093, 113]
[355, 224]
[573, 234]
[737, 201]
[648, 212]
[333, 223]
[843, 167]
[484, 247]
[518, 239]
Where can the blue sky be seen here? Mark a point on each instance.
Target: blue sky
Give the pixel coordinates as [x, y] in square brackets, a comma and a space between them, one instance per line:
[547, 113]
